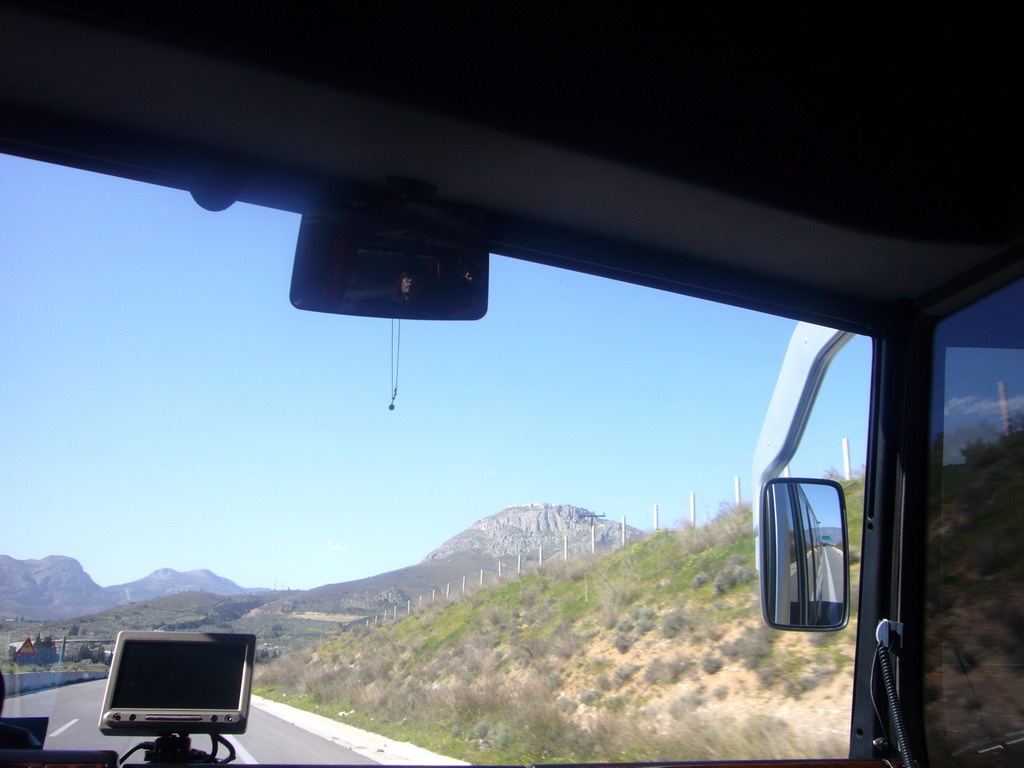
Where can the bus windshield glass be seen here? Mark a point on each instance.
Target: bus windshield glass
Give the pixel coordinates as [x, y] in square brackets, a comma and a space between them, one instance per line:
[515, 540]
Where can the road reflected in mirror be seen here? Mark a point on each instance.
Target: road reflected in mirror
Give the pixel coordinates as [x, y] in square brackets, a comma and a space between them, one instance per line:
[804, 555]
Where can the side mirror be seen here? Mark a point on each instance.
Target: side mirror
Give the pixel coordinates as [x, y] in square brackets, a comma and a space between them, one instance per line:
[805, 571]
[408, 259]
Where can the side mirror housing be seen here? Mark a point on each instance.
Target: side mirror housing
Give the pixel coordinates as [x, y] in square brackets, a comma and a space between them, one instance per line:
[805, 571]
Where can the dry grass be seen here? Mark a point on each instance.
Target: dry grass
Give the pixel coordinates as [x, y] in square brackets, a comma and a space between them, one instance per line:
[512, 676]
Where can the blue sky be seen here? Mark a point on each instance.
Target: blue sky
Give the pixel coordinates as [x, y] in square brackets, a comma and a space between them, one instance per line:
[163, 404]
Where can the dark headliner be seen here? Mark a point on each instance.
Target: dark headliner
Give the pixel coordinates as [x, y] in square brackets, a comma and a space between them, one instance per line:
[824, 167]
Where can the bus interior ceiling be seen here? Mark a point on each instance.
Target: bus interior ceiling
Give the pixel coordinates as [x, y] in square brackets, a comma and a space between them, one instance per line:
[829, 166]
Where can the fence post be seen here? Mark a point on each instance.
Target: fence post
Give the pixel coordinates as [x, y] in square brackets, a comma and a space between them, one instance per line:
[565, 547]
[519, 564]
[846, 458]
[737, 489]
[540, 555]
[481, 577]
[655, 517]
[623, 530]
[693, 509]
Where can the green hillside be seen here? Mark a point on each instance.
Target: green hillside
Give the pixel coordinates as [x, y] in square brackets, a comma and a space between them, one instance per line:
[655, 651]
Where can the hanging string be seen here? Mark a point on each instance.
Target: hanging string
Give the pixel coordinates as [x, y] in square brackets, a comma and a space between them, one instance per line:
[396, 351]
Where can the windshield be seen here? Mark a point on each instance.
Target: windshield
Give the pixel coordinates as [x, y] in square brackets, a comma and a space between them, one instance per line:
[542, 553]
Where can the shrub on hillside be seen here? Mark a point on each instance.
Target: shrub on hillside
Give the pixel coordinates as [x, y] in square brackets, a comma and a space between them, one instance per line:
[615, 599]
[731, 524]
[663, 672]
[284, 670]
[684, 705]
[732, 576]
[622, 674]
[674, 623]
[491, 735]
[590, 696]
[567, 705]
[711, 664]
[564, 643]
[752, 646]
[644, 618]
[623, 643]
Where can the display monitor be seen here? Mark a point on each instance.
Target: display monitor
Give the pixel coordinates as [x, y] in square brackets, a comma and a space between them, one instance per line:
[178, 682]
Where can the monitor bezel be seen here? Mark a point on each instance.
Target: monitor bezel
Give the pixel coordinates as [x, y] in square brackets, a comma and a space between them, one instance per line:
[156, 721]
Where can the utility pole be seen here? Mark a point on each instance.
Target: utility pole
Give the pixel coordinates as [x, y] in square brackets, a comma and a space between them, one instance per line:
[593, 535]
[1004, 406]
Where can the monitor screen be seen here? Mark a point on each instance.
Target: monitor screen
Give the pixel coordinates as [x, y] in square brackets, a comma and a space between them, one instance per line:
[178, 682]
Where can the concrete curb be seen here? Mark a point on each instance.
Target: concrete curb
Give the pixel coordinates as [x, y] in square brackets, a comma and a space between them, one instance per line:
[374, 746]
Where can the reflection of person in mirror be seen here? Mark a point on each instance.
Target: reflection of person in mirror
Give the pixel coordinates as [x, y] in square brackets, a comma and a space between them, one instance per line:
[409, 287]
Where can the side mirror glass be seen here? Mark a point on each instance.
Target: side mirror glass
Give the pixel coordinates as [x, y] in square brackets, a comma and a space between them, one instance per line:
[805, 572]
[409, 260]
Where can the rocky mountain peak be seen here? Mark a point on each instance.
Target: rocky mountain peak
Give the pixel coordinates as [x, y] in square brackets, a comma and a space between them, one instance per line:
[522, 529]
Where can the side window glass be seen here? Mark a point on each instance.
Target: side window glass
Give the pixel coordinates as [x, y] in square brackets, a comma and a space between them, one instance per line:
[975, 602]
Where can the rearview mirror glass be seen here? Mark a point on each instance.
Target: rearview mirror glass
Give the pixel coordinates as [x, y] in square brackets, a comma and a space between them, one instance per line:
[403, 260]
[805, 581]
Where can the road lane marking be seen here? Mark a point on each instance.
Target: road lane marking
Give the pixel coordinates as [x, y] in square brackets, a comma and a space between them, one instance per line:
[63, 728]
[243, 753]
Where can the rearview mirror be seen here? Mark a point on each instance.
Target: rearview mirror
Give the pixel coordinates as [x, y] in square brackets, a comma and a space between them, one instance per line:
[407, 259]
[805, 573]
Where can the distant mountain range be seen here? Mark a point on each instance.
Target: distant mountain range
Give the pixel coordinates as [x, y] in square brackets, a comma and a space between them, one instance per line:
[57, 587]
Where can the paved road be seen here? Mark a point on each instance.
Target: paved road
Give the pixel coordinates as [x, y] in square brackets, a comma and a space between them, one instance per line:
[830, 576]
[74, 713]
